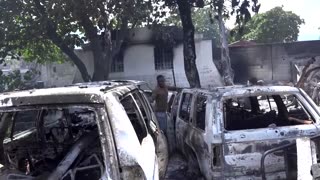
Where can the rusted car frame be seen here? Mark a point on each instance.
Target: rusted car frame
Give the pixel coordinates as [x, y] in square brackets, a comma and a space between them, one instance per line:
[225, 152]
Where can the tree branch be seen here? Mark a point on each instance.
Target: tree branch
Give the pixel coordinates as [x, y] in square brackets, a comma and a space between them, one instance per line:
[88, 26]
[58, 41]
[121, 36]
[305, 73]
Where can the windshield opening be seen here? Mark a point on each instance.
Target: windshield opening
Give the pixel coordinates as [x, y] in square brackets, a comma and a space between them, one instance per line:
[36, 141]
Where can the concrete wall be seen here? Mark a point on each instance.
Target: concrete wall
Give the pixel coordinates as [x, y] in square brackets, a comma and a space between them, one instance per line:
[269, 62]
[54, 74]
[252, 62]
[139, 65]
[11, 65]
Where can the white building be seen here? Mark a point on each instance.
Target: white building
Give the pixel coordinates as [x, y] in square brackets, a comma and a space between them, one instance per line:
[11, 65]
[142, 60]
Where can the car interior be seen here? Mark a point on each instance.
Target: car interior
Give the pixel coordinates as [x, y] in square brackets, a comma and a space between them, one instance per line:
[264, 111]
[37, 141]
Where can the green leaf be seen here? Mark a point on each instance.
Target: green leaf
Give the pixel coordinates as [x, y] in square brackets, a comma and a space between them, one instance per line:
[275, 25]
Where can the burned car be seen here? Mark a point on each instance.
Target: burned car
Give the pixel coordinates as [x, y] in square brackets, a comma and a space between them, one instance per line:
[244, 132]
[102, 130]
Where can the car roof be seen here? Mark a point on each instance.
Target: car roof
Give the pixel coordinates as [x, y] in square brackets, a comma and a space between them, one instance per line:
[91, 92]
[253, 89]
[242, 90]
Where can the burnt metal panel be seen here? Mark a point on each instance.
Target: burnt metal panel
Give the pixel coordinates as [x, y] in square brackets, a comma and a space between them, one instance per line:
[242, 150]
[50, 99]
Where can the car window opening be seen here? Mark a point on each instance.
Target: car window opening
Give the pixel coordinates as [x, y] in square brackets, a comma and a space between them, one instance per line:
[264, 111]
[185, 108]
[36, 142]
[135, 116]
[146, 114]
[201, 104]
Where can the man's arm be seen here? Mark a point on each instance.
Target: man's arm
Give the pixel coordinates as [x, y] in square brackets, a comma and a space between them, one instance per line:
[173, 88]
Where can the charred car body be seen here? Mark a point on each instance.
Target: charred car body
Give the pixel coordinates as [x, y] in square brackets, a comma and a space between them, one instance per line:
[225, 132]
[103, 130]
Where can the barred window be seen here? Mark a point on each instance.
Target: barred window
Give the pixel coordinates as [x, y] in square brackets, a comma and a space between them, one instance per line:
[163, 58]
[117, 64]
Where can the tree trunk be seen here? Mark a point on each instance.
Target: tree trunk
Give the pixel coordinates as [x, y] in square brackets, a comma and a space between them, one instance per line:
[99, 47]
[106, 54]
[304, 75]
[101, 68]
[58, 41]
[227, 72]
[78, 62]
[189, 51]
[54, 37]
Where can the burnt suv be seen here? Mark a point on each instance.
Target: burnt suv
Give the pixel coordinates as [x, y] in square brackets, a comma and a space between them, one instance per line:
[102, 130]
[240, 132]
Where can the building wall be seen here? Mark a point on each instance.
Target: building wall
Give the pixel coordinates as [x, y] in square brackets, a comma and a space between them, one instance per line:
[209, 74]
[11, 65]
[253, 61]
[269, 62]
[139, 65]
[55, 74]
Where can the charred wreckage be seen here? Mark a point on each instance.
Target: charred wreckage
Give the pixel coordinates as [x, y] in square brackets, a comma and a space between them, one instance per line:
[248, 132]
[107, 130]
[91, 131]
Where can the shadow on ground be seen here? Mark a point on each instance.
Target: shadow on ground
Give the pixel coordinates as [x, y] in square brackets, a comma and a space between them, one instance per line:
[178, 169]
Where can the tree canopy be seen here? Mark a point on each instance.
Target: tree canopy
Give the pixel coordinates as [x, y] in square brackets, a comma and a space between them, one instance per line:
[219, 9]
[275, 25]
[44, 29]
[17, 80]
[202, 20]
[224, 9]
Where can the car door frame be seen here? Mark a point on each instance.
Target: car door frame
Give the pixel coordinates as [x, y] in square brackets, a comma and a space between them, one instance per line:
[206, 143]
[134, 157]
[182, 126]
[109, 146]
[150, 113]
[160, 140]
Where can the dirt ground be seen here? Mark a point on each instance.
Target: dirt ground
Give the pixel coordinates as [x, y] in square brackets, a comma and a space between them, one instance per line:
[178, 169]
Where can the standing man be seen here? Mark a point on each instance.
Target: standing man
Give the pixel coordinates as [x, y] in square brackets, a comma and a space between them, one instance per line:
[160, 96]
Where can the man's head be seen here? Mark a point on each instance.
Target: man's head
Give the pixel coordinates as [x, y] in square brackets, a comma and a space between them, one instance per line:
[161, 81]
